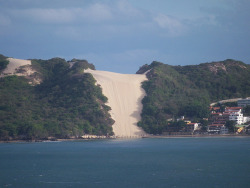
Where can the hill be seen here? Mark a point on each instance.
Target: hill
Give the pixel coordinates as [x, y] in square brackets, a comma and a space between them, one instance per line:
[56, 99]
[59, 99]
[174, 91]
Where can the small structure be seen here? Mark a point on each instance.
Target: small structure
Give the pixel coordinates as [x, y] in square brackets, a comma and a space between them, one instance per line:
[217, 129]
[191, 127]
[241, 128]
[223, 130]
[235, 114]
[89, 136]
[243, 102]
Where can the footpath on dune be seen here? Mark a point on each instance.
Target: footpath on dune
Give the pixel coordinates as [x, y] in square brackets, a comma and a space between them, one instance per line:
[124, 93]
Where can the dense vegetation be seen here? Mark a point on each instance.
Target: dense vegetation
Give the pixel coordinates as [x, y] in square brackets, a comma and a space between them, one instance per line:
[174, 91]
[3, 62]
[66, 104]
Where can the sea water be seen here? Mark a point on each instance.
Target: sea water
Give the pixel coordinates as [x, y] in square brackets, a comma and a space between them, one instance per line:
[165, 162]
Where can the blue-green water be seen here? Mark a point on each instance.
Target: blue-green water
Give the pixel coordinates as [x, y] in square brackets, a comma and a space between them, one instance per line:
[166, 162]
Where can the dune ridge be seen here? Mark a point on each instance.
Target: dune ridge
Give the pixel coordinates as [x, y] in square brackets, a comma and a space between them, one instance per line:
[124, 94]
[14, 64]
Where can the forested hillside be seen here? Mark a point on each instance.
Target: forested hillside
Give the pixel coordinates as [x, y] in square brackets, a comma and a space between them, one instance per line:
[66, 104]
[3, 62]
[174, 91]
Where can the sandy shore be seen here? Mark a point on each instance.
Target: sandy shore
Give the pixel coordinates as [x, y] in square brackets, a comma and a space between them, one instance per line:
[15, 64]
[124, 94]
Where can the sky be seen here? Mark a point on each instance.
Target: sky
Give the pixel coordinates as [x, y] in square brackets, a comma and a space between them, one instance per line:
[122, 35]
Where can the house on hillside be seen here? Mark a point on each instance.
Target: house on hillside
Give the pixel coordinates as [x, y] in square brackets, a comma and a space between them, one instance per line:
[235, 114]
[217, 129]
[219, 117]
[243, 102]
[215, 109]
[191, 127]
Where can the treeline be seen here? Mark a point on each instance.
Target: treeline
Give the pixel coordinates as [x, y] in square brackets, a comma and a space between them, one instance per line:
[3, 62]
[66, 104]
[174, 91]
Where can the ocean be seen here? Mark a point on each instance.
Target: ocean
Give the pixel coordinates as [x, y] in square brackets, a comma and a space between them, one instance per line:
[150, 162]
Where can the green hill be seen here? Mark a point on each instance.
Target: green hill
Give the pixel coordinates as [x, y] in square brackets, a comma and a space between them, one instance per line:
[59, 100]
[174, 91]
[66, 104]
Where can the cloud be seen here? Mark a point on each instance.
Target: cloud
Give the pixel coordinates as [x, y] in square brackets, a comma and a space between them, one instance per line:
[103, 20]
[126, 10]
[94, 13]
[97, 20]
[172, 25]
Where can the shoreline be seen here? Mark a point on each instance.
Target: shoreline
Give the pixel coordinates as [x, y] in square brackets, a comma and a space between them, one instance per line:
[143, 137]
[195, 136]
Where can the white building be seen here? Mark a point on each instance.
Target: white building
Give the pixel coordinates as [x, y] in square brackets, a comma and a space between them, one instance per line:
[237, 117]
[223, 130]
[217, 129]
[235, 114]
[243, 102]
[246, 119]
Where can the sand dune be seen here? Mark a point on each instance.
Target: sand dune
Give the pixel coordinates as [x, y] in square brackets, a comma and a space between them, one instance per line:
[15, 64]
[124, 94]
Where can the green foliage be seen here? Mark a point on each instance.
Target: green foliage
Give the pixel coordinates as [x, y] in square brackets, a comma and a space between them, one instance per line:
[80, 65]
[66, 104]
[230, 125]
[3, 62]
[204, 124]
[246, 110]
[188, 90]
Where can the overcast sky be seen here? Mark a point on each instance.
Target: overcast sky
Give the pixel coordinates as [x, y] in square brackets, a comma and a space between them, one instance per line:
[122, 35]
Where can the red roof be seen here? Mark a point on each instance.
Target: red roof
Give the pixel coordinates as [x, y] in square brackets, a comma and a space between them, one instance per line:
[216, 108]
[233, 108]
[217, 125]
[216, 113]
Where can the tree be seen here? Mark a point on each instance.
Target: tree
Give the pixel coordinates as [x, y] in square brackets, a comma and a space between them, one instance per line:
[204, 124]
[231, 126]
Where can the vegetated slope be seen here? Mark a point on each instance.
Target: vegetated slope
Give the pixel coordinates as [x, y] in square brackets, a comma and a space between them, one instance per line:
[3, 62]
[66, 104]
[188, 90]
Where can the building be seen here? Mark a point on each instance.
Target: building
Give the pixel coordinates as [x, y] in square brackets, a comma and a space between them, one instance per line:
[219, 118]
[223, 130]
[238, 118]
[215, 109]
[244, 102]
[217, 129]
[235, 114]
[233, 109]
[246, 119]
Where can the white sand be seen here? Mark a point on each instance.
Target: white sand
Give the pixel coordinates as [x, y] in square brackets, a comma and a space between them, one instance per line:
[15, 64]
[124, 94]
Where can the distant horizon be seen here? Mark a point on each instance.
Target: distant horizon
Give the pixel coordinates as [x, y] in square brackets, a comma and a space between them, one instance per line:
[122, 35]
